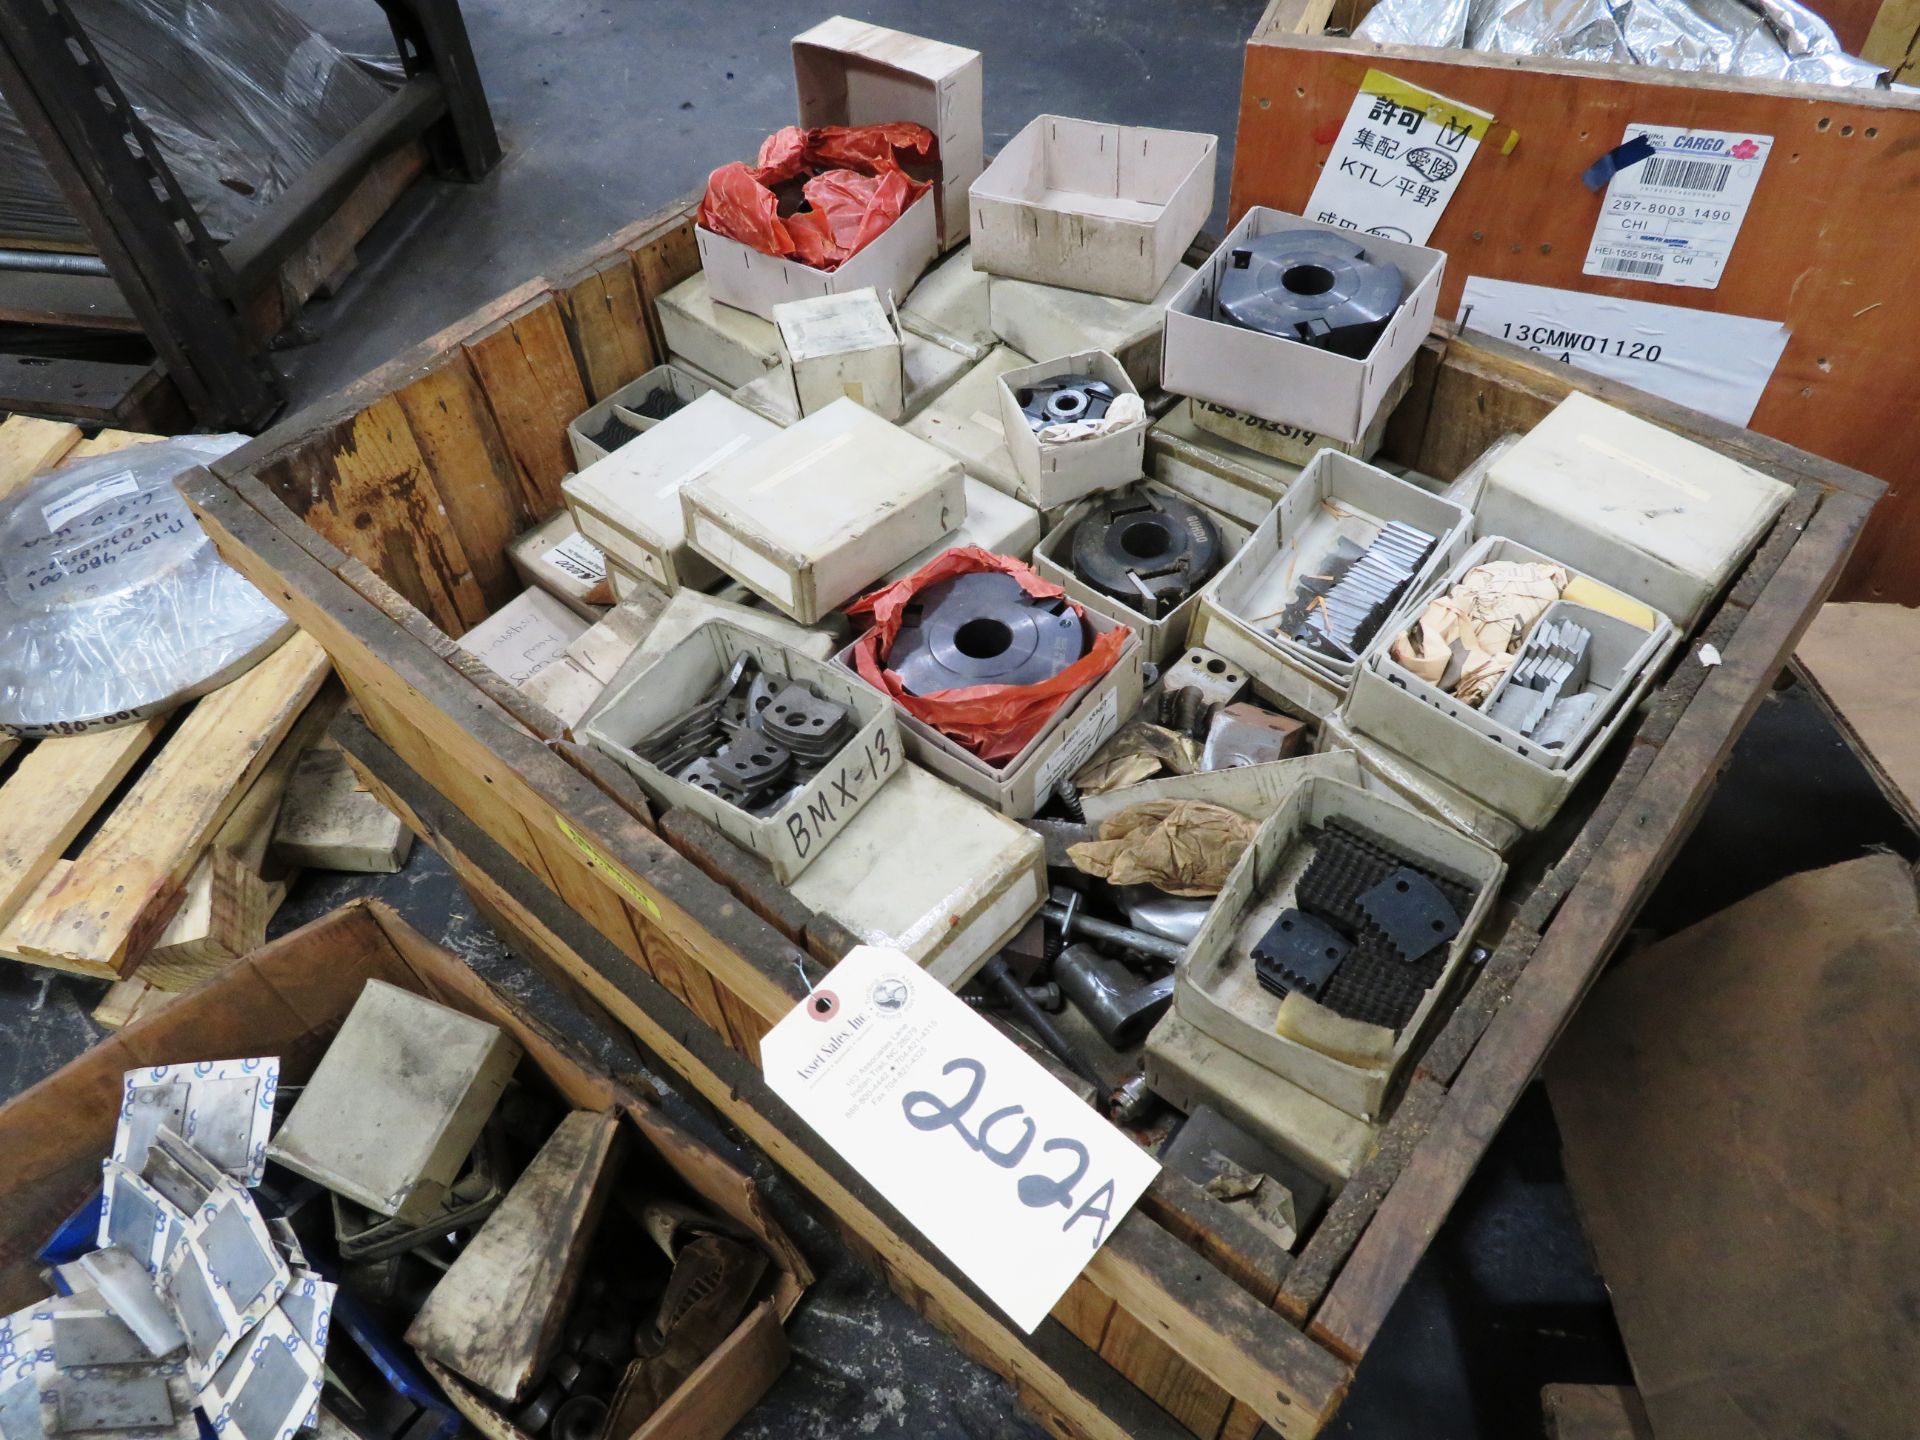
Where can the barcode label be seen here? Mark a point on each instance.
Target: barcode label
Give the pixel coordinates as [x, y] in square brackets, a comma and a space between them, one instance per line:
[1703, 175]
[579, 557]
[1649, 268]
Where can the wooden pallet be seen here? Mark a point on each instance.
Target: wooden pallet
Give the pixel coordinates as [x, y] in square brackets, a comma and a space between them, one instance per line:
[146, 845]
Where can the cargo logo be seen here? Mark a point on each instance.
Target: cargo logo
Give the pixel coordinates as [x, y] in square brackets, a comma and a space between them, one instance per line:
[824, 811]
[1708, 143]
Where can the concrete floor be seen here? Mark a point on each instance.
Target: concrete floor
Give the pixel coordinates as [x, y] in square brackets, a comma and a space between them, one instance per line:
[609, 110]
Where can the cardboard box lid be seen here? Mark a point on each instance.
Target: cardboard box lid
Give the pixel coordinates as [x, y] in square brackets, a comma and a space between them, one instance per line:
[804, 489]
[1628, 492]
[638, 486]
[826, 325]
[527, 632]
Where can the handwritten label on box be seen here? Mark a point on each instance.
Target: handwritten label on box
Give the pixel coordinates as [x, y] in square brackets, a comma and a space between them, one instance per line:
[1397, 160]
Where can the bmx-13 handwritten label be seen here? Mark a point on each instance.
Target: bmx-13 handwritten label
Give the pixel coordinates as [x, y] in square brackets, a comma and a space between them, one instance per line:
[997, 1163]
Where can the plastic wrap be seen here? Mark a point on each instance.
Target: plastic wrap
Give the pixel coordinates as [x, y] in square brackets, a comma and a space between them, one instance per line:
[242, 97]
[853, 183]
[113, 604]
[996, 722]
[1767, 39]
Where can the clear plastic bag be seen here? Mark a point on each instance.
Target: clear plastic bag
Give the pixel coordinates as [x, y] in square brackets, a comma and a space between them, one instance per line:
[242, 98]
[113, 604]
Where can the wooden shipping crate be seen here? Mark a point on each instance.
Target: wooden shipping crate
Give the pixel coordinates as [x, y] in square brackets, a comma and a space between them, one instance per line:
[1824, 248]
[379, 520]
[289, 999]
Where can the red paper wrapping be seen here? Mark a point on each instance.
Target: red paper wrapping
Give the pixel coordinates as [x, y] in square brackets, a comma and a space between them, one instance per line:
[856, 188]
[996, 722]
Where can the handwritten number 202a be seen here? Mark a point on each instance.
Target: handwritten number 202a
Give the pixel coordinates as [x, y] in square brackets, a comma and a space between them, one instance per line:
[928, 1112]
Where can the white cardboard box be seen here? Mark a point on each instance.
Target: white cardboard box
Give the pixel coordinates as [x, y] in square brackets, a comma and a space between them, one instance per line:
[1052, 475]
[1335, 496]
[1080, 726]
[734, 347]
[529, 631]
[629, 503]
[995, 522]
[1217, 991]
[929, 369]
[928, 870]
[813, 514]
[1237, 482]
[1104, 208]
[622, 405]
[1631, 504]
[1296, 444]
[800, 830]
[965, 422]
[848, 72]
[843, 345]
[741, 276]
[554, 556]
[1163, 638]
[1284, 380]
[949, 307]
[1045, 321]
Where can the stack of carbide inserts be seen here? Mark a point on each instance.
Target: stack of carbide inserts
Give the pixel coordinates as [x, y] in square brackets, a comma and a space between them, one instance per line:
[1541, 694]
[1369, 931]
[752, 740]
[1337, 613]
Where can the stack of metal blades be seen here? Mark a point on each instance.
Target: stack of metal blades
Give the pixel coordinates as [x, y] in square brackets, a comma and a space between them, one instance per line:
[1337, 614]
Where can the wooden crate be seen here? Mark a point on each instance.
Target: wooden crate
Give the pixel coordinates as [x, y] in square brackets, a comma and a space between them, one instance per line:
[377, 521]
[1824, 250]
[172, 817]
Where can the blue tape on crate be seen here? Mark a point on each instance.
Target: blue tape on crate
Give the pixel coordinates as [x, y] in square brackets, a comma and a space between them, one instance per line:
[1596, 175]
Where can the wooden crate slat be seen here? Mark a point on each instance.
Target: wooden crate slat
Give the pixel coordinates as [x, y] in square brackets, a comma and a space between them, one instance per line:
[29, 445]
[525, 364]
[608, 322]
[52, 795]
[111, 442]
[1583, 933]
[117, 897]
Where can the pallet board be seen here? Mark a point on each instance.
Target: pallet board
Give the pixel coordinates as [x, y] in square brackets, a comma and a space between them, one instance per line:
[1822, 250]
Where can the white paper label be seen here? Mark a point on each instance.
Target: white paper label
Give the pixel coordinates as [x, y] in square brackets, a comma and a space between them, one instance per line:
[1716, 364]
[579, 558]
[1078, 747]
[1672, 218]
[998, 1164]
[1397, 160]
[76, 503]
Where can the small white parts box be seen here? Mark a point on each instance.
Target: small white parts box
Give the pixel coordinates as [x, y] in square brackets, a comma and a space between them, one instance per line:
[1228, 478]
[729, 344]
[848, 72]
[1467, 751]
[793, 836]
[843, 345]
[1285, 380]
[555, 557]
[1296, 444]
[531, 630]
[995, 523]
[629, 503]
[1085, 722]
[741, 276]
[1336, 499]
[965, 421]
[812, 515]
[1058, 474]
[1345, 1063]
[929, 871]
[1104, 208]
[1048, 320]
[1163, 638]
[626, 405]
[1633, 505]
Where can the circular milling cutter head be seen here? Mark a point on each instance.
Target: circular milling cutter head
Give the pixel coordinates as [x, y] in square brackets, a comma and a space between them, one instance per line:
[983, 629]
[1149, 550]
[1312, 286]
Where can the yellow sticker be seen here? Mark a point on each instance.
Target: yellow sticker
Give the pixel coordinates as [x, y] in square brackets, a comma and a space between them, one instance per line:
[1441, 111]
[606, 867]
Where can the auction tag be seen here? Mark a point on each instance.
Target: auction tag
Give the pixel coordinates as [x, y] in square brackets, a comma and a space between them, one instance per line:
[1672, 218]
[1002, 1167]
[579, 557]
[1397, 160]
[1717, 364]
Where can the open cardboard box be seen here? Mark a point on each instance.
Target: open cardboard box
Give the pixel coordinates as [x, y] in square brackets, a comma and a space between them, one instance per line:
[1052, 475]
[289, 999]
[1284, 380]
[622, 405]
[1104, 208]
[890, 263]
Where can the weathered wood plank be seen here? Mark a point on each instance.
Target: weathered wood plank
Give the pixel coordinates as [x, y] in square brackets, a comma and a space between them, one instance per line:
[607, 321]
[525, 365]
[29, 445]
